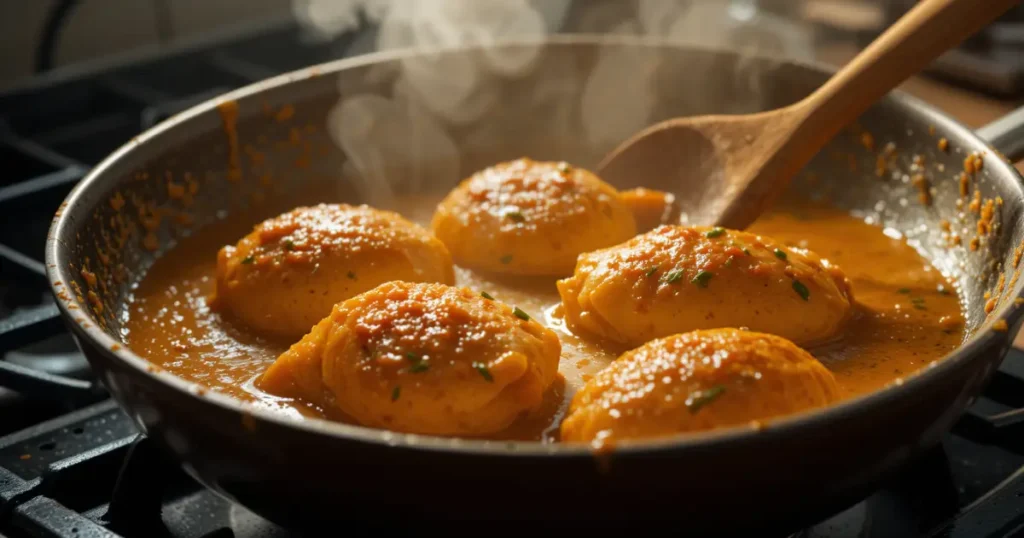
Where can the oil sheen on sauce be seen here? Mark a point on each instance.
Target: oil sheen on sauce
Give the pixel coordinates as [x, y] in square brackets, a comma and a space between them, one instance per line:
[908, 315]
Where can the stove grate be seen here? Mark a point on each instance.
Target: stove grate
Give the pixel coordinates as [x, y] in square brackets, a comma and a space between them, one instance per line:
[51, 135]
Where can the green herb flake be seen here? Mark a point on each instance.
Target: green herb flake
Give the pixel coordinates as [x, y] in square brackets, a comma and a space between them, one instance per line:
[943, 290]
[351, 275]
[506, 259]
[486, 295]
[395, 393]
[484, 372]
[289, 244]
[520, 314]
[714, 232]
[564, 167]
[780, 254]
[704, 397]
[248, 260]
[650, 271]
[673, 276]
[418, 364]
[918, 303]
[515, 216]
[702, 278]
[801, 290]
[903, 290]
[746, 251]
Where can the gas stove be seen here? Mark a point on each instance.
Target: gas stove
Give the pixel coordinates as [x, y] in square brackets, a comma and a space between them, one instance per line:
[73, 465]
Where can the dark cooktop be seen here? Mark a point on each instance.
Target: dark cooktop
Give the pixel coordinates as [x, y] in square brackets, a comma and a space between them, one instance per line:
[73, 465]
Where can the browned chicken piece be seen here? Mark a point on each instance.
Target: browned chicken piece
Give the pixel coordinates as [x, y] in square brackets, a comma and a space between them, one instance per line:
[697, 381]
[285, 276]
[422, 358]
[527, 217]
[675, 279]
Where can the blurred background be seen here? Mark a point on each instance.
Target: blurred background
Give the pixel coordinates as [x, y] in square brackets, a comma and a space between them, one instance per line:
[59, 37]
[41, 35]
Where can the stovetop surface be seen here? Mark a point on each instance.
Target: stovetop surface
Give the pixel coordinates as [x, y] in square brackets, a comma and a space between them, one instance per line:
[73, 464]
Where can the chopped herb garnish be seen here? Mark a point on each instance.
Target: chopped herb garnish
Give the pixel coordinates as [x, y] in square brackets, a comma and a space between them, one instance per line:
[506, 259]
[564, 167]
[486, 295]
[351, 275]
[289, 244]
[714, 232]
[903, 290]
[780, 254]
[746, 251]
[418, 364]
[728, 263]
[918, 303]
[484, 372]
[650, 271]
[702, 278]
[944, 290]
[248, 259]
[704, 397]
[801, 290]
[520, 314]
[673, 276]
[515, 216]
[396, 393]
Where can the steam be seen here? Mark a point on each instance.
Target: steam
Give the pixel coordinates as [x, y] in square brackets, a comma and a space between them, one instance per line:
[445, 109]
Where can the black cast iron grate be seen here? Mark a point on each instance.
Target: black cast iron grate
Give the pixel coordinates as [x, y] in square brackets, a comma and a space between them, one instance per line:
[50, 136]
[77, 466]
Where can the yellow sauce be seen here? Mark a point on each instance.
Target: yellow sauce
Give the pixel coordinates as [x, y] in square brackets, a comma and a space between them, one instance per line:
[908, 315]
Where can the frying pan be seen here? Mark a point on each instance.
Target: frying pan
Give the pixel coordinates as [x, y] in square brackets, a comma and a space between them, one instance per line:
[362, 129]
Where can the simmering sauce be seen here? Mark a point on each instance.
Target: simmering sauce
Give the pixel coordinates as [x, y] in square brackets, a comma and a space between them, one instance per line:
[907, 313]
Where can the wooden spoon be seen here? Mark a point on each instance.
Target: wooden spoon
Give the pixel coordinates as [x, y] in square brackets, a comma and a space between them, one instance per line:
[727, 169]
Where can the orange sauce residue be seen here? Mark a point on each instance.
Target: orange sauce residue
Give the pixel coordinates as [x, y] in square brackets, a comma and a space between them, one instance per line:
[229, 116]
[285, 113]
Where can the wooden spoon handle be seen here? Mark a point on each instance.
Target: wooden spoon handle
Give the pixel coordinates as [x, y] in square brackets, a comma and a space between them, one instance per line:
[908, 46]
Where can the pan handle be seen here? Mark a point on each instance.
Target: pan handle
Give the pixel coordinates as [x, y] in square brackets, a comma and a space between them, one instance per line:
[1006, 134]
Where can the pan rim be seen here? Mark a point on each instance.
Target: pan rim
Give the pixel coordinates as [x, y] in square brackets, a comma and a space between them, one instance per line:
[59, 275]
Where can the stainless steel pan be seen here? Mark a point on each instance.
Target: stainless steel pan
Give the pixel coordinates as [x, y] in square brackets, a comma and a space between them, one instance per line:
[378, 129]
